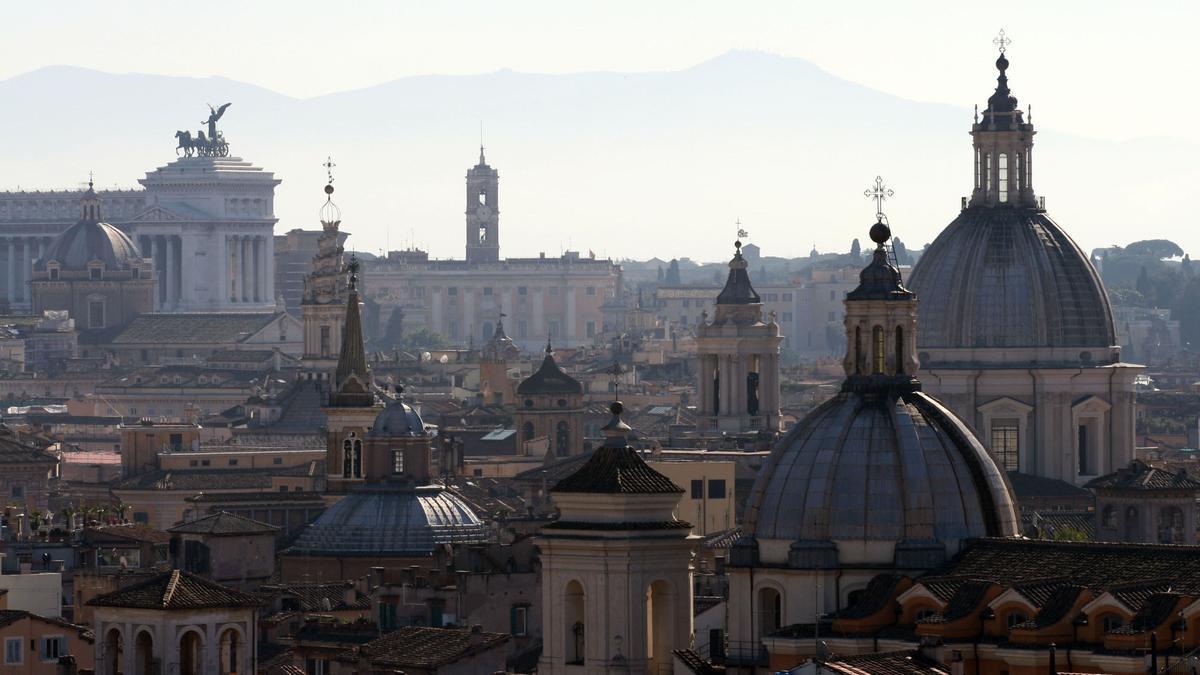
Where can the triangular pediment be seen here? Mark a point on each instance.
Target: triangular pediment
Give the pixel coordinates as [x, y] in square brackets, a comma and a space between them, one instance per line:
[1003, 405]
[155, 214]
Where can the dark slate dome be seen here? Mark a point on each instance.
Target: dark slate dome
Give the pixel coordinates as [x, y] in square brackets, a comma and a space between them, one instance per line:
[881, 465]
[391, 521]
[90, 239]
[549, 379]
[397, 419]
[1009, 277]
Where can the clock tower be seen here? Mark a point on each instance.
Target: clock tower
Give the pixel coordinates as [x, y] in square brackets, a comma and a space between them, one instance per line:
[483, 213]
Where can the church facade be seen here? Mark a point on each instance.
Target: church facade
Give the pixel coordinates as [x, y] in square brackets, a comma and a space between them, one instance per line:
[561, 298]
[1017, 332]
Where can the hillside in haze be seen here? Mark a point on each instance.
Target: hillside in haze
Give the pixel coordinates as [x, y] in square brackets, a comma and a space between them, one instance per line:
[628, 165]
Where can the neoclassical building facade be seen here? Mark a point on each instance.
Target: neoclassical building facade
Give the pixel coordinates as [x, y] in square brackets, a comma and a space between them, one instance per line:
[561, 297]
[206, 222]
[1016, 329]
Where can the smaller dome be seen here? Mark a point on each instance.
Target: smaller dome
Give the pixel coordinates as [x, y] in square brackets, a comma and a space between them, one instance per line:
[392, 522]
[90, 239]
[397, 419]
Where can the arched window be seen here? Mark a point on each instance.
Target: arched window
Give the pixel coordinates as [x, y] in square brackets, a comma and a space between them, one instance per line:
[987, 176]
[1170, 525]
[659, 626]
[1028, 171]
[1133, 528]
[899, 350]
[770, 611]
[143, 647]
[114, 651]
[880, 351]
[562, 439]
[191, 650]
[527, 431]
[352, 457]
[1003, 170]
[574, 616]
[857, 351]
[1017, 171]
[977, 168]
[229, 648]
[1108, 517]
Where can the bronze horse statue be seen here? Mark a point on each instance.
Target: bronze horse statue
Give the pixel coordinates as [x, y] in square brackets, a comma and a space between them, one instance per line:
[186, 143]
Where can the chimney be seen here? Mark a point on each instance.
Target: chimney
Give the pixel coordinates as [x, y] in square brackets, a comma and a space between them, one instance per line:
[476, 634]
[349, 594]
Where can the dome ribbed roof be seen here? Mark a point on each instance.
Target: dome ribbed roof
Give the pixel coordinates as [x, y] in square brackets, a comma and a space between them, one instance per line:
[894, 466]
[1009, 277]
[392, 522]
[397, 419]
[86, 241]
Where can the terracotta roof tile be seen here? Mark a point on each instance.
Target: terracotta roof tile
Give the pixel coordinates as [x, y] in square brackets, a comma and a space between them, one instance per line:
[223, 523]
[615, 470]
[175, 590]
[886, 663]
[1141, 477]
[425, 648]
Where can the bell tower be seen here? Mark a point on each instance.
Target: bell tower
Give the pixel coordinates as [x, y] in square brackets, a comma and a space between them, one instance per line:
[483, 213]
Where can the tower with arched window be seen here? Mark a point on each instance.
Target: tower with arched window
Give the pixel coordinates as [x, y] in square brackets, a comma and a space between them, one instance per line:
[550, 412]
[616, 566]
[351, 408]
[483, 213]
[739, 358]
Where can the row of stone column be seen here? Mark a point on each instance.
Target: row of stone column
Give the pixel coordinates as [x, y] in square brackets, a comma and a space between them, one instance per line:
[19, 254]
[166, 252]
[729, 373]
[248, 263]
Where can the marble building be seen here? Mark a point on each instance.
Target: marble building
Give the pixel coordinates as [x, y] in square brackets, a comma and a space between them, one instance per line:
[561, 297]
[1016, 329]
[207, 222]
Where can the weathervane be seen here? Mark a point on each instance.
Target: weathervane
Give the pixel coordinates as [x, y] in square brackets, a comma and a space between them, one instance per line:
[880, 193]
[1002, 41]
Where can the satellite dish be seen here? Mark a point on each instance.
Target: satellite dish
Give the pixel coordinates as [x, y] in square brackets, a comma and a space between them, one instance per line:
[444, 359]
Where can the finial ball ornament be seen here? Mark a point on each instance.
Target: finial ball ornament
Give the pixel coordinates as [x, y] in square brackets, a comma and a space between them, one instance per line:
[616, 408]
[328, 189]
[880, 233]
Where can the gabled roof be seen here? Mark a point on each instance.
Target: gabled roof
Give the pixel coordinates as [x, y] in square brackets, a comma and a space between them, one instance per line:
[11, 616]
[223, 523]
[1141, 477]
[419, 647]
[157, 329]
[175, 590]
[12, 451]
[134, 532]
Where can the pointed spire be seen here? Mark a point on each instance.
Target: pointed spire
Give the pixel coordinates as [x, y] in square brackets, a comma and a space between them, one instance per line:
[482, 160]
[1002, 111]
[738, 289]
[352, 379]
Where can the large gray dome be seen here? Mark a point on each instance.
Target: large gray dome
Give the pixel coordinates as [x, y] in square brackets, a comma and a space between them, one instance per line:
[890, 465]
[1009, 277]
[392, 521]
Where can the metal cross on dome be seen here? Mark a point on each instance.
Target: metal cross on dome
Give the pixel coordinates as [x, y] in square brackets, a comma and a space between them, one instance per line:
[1002, 41]
[880, 193]
[329, 168]
[614, 373]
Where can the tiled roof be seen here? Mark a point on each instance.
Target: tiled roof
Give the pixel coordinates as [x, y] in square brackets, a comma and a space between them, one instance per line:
[554, 471]
[1054, 607]
[1157, 609]
[886, 663]
[1027, 485]
[12, 451]
[311, 596]
[875, 597]
[175, 590]
[11, 616]
[723, 539]
[1093, 565]
[158, 329]
[613, 470]
[1135, 595]
[225, 479]
[1140, 476]
[420, 647]
[1053, 524]
[130, 531]
[223, 523]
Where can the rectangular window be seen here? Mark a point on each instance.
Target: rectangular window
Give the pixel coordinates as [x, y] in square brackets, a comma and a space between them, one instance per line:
[520, 620]
[687, 303]
[787, 317]
[53, 647]
[18, 491]
[1006, 443]
[205, 462]
[831, 317]
[522, 329]
[454, 330]
[176, 442]
[988, 174]
[193, 462]
[522, 290]
[716, 488]
[232, 462]
[283, 488]
[591, 329]
[698, 489]
[397, 461]
[277, 461]
[591, 290]
[487, 290]
[141, 517]
[452, 291]
[1085, 468]
[96, 314]
[554, 329]
[12, 651]
[1003, 170]
[787, 297]
[326, 347]
[96, 273]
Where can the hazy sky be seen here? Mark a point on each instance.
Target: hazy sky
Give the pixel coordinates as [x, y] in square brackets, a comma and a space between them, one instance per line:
[1106, 69]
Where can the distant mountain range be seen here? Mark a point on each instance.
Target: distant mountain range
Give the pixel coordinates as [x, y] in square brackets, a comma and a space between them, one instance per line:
[629, 165]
